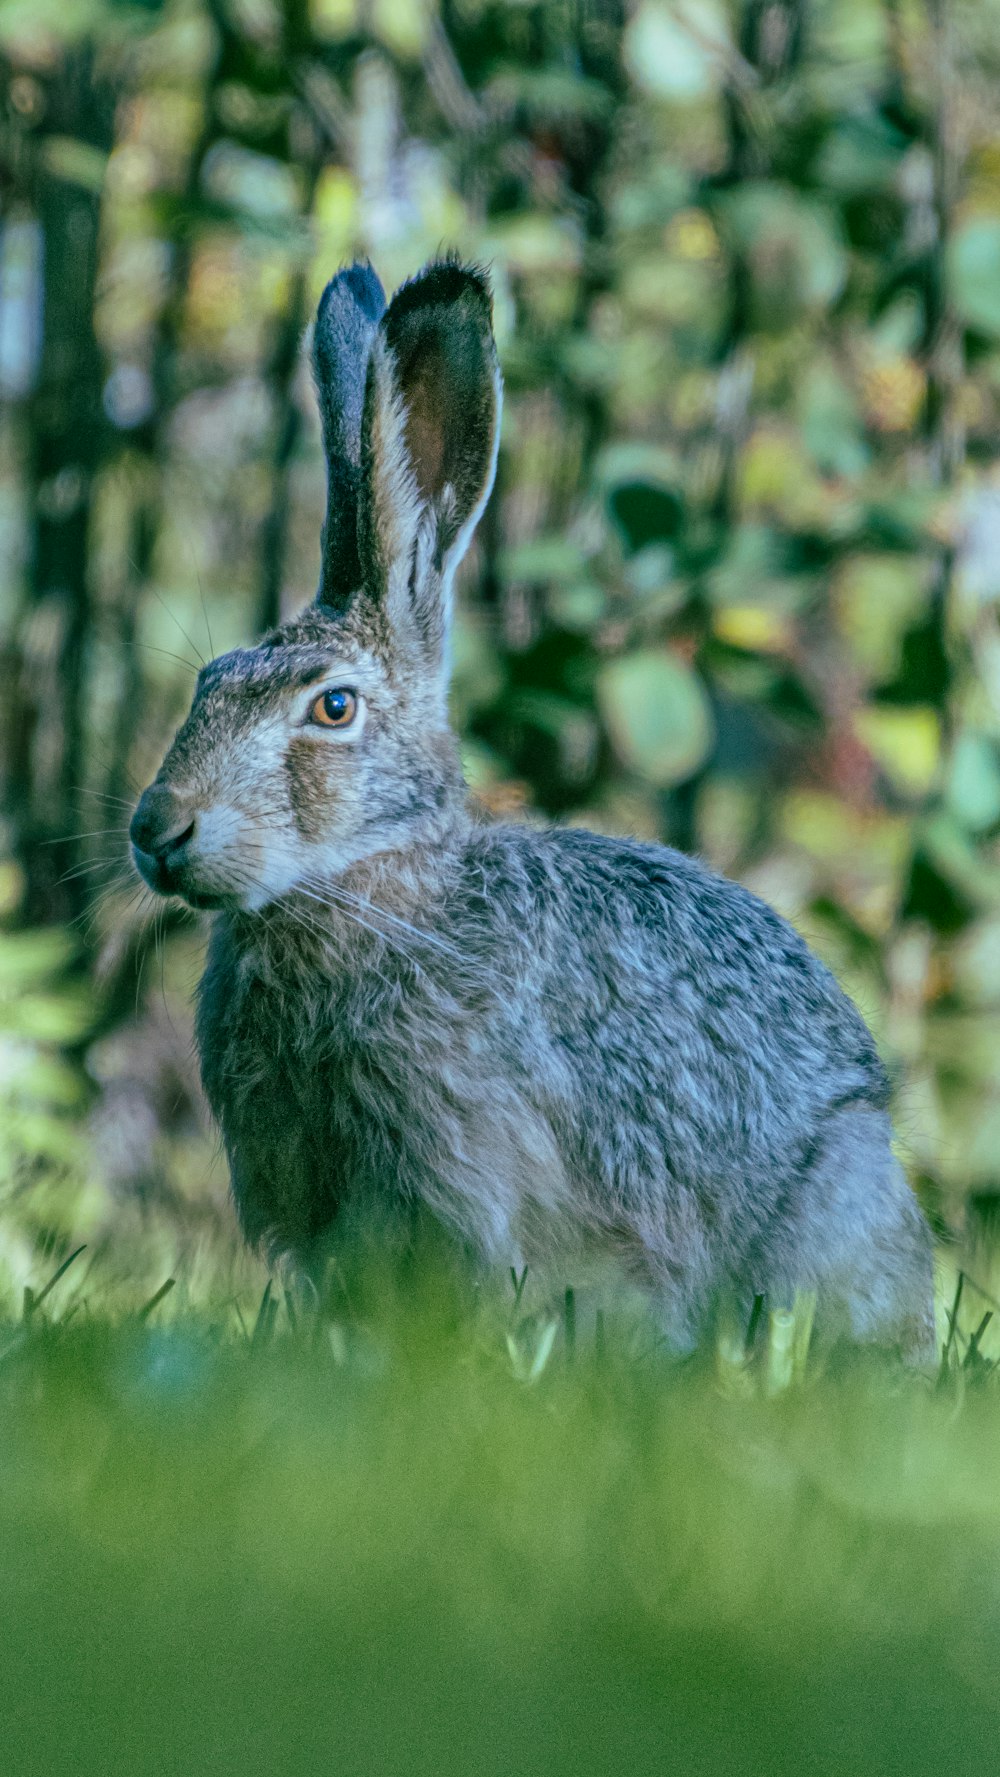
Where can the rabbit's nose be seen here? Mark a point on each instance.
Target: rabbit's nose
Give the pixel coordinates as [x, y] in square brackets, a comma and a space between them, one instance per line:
[162, 824]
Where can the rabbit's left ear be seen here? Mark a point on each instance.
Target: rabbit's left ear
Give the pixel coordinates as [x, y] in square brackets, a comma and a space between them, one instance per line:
[428, 443]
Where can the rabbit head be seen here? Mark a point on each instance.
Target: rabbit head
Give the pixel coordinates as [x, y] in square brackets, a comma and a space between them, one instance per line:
[329, 741]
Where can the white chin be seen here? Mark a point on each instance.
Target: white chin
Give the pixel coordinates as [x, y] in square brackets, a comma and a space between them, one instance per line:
[252, 900]
[260, 894]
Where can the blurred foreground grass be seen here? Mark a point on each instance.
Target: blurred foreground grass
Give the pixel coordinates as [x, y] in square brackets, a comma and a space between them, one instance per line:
[241, 1537]
[426, 1531]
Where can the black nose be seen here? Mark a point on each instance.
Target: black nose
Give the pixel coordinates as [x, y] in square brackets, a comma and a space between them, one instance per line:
[162, 823]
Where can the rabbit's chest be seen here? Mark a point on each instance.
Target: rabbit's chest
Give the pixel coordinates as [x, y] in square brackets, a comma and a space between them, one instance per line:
[379, 1092]
[417, 1098]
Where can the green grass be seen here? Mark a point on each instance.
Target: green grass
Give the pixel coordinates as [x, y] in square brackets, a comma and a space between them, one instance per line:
[366, 1543]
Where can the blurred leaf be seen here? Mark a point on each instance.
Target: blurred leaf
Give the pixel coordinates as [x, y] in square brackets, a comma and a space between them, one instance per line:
[778, 482]
[41, 1080]
[795, 249]
[679, 293]
[975, 963]
[974, 272]
[652, 198]
[832, 424]
[31, 1134]
[905, 744]
[753, 569]
[29, 958]
[578, 607]
[53, 1017]
[753, 627]
[533, 244]
[876, 598]
[333, 19]
[477, 674]
[656, 713]
[62, 21]
[623, 462]
[861, 153]
[401, 25]
[865, 857]
[952, 853]
[675, 55]
[652, 579]
[896, 331]
[592, 363]
[898, 516]
[973, 787]
[79, 163]
[645, 513]
[256, 184]
[544, 559]
[549, 95]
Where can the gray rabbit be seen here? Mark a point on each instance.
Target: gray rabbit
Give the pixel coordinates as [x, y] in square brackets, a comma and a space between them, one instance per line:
[568, 1048]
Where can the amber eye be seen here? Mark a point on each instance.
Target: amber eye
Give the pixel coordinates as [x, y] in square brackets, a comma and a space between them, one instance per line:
[335, 709]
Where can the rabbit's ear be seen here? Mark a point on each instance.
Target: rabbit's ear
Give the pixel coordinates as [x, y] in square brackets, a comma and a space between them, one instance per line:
[429, 443]
[349, 311]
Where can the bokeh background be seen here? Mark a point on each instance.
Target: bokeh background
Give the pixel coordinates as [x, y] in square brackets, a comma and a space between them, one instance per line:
[737, 587]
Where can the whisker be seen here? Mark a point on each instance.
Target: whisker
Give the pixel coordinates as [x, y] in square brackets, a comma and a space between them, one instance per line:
[201, 595]
[88, 869]
[103, 796]
[385, 938]
[96, 833]
[340, 899]
[160, 946]
[108, 893]
[112, 765]
[347, 895]
[174, 620]
[151, 648]
[315, 929]
[312, 926]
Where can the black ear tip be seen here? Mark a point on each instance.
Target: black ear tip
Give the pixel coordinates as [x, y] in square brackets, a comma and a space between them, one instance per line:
[356, 288]
[447, 281]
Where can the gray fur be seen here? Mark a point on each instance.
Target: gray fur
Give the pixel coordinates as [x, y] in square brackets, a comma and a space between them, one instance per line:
[568, 1048]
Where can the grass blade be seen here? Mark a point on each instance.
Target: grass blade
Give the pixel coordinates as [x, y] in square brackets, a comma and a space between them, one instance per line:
[155, 1300]
[36, 1301]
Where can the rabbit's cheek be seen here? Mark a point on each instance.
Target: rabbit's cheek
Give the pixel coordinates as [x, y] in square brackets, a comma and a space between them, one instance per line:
[321, 787]
[308, 793]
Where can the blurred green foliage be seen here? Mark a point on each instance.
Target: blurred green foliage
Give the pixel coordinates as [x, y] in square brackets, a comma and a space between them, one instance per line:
[326, 1548]
[738, 584]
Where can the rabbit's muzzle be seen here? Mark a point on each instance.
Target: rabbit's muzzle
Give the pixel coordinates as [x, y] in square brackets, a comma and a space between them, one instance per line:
[163, 831]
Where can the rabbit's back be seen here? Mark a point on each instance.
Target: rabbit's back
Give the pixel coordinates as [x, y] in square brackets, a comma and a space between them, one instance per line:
[679, 1004]
[716, 1099]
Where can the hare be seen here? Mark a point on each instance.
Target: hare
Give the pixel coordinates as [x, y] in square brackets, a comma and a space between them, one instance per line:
[561, 1045]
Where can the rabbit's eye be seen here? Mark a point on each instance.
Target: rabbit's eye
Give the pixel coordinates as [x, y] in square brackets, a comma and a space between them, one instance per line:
[335, 709]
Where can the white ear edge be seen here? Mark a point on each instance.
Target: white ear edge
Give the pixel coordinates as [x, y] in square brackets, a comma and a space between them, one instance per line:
[461, 541]
[397, 499]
